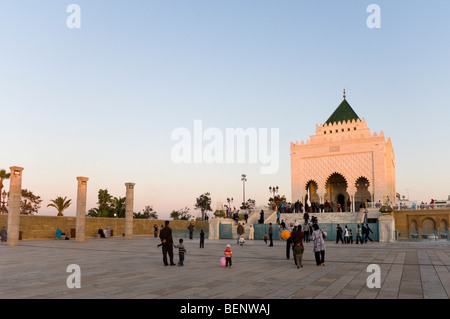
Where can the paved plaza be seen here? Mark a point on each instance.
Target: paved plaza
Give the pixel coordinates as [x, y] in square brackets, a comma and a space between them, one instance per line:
[118, 268]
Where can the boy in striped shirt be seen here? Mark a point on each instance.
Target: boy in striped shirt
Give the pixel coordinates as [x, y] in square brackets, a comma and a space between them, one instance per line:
[181, 251]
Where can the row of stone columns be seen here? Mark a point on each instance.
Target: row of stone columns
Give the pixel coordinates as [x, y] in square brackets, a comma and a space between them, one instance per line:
[15, 194]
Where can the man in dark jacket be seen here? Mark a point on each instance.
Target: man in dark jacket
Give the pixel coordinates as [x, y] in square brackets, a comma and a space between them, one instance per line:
[167, 243]
[270, 235]
[339, 234]
[191, 230]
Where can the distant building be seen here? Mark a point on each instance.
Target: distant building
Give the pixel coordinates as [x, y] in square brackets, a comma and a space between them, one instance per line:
[343, 161]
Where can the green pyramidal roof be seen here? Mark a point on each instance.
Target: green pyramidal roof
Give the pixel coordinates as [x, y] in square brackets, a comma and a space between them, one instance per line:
[344, 112]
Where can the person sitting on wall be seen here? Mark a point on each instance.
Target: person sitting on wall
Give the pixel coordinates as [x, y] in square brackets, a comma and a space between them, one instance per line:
[101, 233]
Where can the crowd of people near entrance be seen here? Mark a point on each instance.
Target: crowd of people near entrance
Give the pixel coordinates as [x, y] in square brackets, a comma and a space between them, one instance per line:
[295, 234]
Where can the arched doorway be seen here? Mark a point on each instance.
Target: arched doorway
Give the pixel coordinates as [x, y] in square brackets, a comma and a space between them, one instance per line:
[341, 202]
[336, 191]
[311, 194]
[428, 224]
[362, 195]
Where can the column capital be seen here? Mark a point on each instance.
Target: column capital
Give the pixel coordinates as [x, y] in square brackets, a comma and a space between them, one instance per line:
[16, 170]
[130, 185]
[82, 179]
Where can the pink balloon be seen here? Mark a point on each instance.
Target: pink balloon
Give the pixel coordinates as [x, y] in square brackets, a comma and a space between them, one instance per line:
[223, 262]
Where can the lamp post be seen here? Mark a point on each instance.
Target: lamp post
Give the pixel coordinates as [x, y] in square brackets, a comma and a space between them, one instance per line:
[273, 190]
[243, 179]
[3, 202]
[229, 201]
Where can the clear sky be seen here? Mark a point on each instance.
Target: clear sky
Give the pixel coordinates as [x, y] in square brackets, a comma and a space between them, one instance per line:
[103, 100]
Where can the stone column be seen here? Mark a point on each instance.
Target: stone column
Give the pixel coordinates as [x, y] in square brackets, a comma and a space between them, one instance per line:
[81, 209]
[129, 211]
[214, 224]
[15, 194]
[386, 225]
[352, 198]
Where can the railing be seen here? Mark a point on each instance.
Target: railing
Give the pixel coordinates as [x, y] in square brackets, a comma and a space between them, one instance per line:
[422, 235]
[411, 206]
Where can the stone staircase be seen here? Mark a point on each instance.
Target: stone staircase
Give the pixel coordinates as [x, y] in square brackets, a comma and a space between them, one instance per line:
[271, 217]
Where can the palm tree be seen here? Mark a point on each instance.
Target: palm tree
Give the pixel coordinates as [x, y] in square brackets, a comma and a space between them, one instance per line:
[3, 176]
[61, 204]
[118, 207]
[104, 203]
[204, 204]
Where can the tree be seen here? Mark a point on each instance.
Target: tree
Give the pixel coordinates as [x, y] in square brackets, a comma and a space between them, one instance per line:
[3, 176]
[29, 203]
[278, 201]
[249, 204]
[93, 212]
[147, 213]
[117, 208]
[204, 204]
[61, 204]
[104, 203]
[182, 214]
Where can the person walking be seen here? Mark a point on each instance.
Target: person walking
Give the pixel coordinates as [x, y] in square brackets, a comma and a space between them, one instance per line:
[305, 228]
[288, 244]
[339, 234]
[297, 246]
[319, 245]
[251, 233]
[358, 235]
[167, 243]
[155, 231]
[363, 232]
[346, 235]
[202, 239]
[191, 231]
[270, 235]
[368, 231]
[240, 231]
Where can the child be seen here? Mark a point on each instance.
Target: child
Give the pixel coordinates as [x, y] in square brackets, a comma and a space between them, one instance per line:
[265, 238]
[228, 255]
[241, 240]
[298, 254]
[181, 251]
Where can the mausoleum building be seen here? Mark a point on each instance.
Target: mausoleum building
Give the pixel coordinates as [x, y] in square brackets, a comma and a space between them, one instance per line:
[343, 163]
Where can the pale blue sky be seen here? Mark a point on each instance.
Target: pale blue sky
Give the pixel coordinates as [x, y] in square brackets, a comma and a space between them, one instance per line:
[102, 101]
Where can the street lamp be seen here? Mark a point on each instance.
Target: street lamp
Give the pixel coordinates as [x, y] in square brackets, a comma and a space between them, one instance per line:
[243, 179]
[273, 190]
[3, 201]
[229, 200]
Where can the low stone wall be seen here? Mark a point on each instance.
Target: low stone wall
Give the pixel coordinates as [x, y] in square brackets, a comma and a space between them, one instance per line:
[44, 227]
[404, 218]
